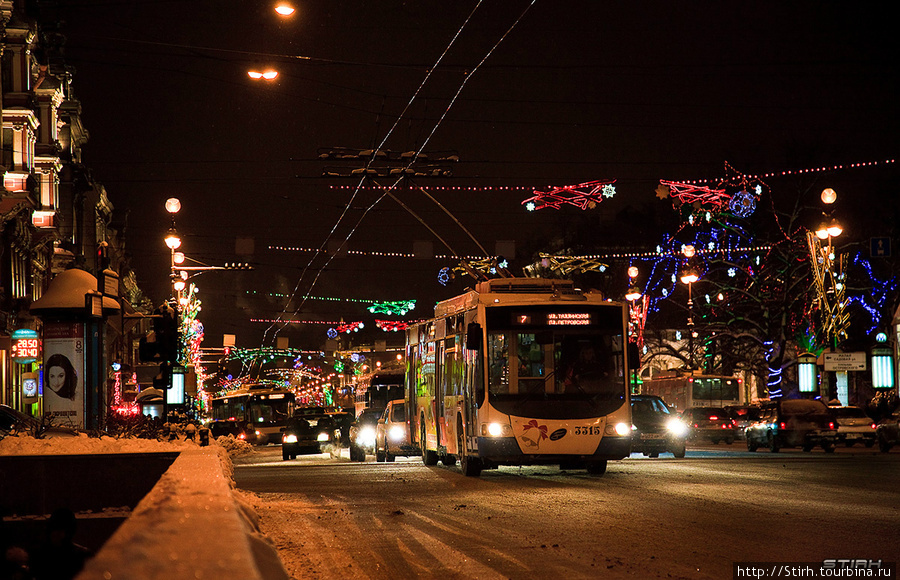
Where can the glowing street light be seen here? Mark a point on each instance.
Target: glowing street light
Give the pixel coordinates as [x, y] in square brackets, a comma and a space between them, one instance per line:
[284, 9]
[266, 75]
[173, 240]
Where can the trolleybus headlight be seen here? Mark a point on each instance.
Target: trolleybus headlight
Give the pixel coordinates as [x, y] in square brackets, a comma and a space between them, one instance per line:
[623, 429]
[397, 433]
[323, 436]
[289, 438]
[496, 430]
[677, 428]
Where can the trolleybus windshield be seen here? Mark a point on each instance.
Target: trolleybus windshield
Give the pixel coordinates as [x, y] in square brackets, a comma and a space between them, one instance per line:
[549, 362]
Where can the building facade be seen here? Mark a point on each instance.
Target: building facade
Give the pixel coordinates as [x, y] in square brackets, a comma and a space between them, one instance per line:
[53, 215]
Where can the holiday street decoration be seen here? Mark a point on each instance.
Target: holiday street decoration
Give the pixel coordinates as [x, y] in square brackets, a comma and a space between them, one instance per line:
[828, 273]
[349, 327]
[391, 325]
[400, 307]
[583, 196]
[565, 265]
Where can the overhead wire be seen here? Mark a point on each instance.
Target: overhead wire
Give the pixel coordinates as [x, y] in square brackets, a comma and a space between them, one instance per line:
[362, 180]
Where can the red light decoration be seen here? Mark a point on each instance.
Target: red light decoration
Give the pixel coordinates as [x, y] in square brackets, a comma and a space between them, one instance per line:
[685, 193]
[583, 196]
[391, 325]
[349, 327]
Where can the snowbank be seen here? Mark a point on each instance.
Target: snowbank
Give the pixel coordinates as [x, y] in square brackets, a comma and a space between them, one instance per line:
[192, 523]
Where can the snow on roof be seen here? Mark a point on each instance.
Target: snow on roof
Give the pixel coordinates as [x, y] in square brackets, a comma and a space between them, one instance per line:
[67, 291]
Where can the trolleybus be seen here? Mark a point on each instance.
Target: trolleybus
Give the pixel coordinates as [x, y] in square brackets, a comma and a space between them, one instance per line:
[263, 408]
[520, 371]
[686, 390]
[375, 389]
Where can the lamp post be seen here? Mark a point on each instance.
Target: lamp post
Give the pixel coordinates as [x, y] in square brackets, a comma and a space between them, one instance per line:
[829, 279]
[688, 277]
[173, 242]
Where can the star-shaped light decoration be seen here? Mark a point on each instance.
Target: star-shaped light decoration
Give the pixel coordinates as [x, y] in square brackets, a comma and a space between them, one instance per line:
[609, 190]
[662, 192]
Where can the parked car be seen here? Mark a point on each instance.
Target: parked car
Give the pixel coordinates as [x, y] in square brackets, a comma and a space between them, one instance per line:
[392, 434]
[362, 434]
[854, 426]
[655, 428]
[741, 417]
[13, 422]
[802, 423]
[887, 431]
[712, 423]
[307, 434]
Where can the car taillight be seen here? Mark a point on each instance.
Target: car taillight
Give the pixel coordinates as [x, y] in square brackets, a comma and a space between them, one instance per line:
[713, 417]
[831, 425]
[696, 425]
[242, 436]
[782, 425]
[873, 425]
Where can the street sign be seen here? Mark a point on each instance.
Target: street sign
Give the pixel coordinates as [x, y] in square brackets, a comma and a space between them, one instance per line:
[880, 247]
[845, 361]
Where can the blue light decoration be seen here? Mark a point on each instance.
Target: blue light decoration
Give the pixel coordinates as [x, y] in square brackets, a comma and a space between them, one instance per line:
[874, 302]
[743, 204]
[444, 276]
[332, 333]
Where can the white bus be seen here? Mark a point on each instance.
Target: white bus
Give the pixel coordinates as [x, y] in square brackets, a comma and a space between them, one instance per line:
[520, 371]
[261, 410]
[684, 390]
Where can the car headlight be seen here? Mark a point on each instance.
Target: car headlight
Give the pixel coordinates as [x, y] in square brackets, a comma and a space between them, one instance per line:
[677, 428]
[323, 436]
[366, 436]
[397, 433]
[623, 429]
[289, 438]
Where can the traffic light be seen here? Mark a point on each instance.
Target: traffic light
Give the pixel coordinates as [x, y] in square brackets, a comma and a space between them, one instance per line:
[168, 338]
[102, 256]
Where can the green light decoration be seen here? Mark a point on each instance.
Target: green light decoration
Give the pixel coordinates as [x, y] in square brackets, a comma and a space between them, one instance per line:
[399, 308]
[339, 366]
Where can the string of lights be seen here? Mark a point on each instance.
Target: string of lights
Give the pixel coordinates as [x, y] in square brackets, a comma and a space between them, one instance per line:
[803, 171]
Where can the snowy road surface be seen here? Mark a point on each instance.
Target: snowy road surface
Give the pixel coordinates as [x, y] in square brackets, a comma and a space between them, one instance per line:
[646, 518]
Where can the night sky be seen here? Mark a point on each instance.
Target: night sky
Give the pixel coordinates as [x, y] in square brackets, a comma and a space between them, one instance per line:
[571, 91]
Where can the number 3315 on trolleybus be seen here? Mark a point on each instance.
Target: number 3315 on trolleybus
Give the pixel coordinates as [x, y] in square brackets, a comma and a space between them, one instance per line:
[520, 371]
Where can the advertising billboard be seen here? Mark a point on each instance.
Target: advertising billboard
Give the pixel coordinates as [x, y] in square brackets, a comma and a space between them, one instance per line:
[63, 372]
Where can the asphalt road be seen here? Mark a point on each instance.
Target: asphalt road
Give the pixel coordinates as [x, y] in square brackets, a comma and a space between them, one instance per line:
[646, 518]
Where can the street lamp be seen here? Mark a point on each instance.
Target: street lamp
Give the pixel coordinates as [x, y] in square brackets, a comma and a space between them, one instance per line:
[266, 75]
[284, 9]
[688, 277]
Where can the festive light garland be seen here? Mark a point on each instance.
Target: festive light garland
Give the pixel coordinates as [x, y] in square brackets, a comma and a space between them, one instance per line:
[375, 254]
[805, 171]
[391, 325]
[583, 195]
[438, 188]
[399, 307]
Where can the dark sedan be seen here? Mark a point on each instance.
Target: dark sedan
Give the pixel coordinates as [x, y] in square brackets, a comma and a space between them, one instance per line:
[656, 429]
[307, 434]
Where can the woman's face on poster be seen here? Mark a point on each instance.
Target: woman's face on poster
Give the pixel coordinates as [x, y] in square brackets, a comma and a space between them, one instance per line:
[56, 378]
